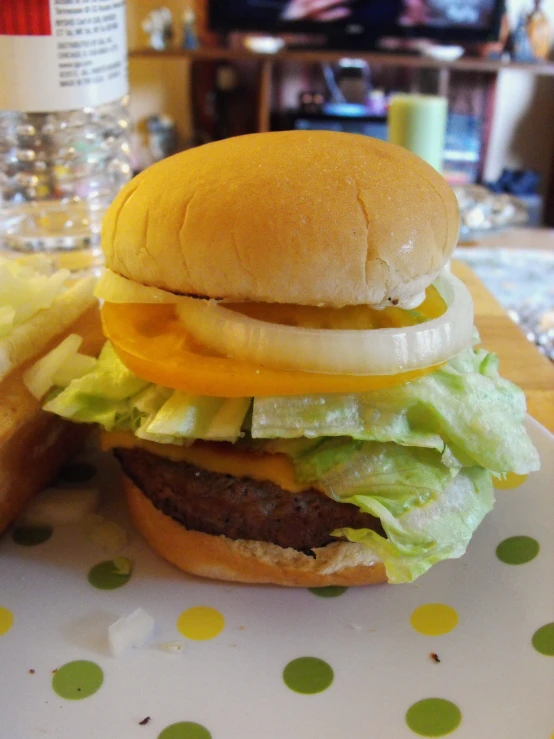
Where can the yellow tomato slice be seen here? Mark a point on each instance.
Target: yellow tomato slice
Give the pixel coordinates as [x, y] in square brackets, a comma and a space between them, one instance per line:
[153, 344]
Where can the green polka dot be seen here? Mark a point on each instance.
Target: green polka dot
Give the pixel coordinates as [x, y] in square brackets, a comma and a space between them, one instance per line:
[543, 640]
[77, 680]
[185, 730]
[30, 536]
[108, 575]
[78, 472]
[331, 591]
[433, 717]
[308, 675]
[517, 550]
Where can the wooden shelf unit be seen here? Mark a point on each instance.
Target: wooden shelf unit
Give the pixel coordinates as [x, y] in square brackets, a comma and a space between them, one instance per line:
[313, 56]
[467, 64]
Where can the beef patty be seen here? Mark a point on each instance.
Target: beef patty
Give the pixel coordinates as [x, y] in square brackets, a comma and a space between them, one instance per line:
[239, 508]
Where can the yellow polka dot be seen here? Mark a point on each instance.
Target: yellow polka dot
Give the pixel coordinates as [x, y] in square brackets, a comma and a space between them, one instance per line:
[200, 623]
[434, 619]
[510, 481]
[6, 620]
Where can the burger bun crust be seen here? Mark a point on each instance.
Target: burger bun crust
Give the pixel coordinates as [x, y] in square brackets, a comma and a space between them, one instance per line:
[304, 217]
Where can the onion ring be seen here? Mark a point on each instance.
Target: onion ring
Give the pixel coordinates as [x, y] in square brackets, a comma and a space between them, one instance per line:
[384, 351]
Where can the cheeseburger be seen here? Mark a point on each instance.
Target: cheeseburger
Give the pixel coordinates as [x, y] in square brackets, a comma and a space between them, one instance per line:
[290, 380]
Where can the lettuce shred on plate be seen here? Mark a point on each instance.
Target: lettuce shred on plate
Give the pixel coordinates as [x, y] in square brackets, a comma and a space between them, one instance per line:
[419, 456]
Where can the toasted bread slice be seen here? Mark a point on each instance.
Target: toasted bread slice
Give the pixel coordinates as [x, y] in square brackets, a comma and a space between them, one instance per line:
[34, 445]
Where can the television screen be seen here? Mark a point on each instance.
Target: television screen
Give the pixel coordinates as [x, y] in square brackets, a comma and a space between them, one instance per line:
[472, 20]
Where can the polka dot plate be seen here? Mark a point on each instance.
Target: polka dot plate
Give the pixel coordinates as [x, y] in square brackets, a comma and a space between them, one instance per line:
[467, 650]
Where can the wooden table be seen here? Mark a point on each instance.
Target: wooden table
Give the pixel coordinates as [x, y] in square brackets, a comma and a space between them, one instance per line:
[520, 361]
[541, 239]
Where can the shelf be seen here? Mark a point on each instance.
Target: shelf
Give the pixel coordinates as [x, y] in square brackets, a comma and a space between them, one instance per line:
[467, 64]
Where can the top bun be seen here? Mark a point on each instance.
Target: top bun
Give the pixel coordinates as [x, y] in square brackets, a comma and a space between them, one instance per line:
[307, 217]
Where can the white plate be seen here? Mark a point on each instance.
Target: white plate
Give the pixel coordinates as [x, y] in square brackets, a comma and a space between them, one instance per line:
[232, 683]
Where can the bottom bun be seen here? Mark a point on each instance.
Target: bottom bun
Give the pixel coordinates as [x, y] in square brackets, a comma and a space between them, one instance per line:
[220, 558]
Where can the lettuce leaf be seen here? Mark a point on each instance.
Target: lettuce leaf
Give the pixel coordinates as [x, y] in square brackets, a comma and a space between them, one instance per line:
[426, 534]
[464, 410]
[402, 476]
[428, 511]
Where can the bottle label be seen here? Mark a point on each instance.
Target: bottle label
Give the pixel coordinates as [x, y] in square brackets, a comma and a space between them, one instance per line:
[61, 54]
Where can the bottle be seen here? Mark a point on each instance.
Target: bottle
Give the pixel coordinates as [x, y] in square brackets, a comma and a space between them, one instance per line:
[64, 124]
[522, 50]
[190, 37]
[539, 32]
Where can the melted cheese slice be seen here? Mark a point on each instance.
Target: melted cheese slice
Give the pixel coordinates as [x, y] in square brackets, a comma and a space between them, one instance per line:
[216, 457]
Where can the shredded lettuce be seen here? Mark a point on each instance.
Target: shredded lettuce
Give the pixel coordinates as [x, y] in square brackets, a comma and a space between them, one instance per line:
[464, 409]
[175, 417]
[114, 397]
[100, 396]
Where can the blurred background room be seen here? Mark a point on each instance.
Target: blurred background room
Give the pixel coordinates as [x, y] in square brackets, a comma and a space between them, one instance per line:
[238, 67]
